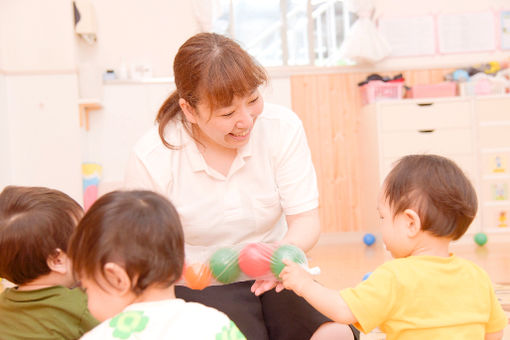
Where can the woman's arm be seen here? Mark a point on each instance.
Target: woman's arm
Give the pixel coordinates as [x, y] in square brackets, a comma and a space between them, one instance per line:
[304, 229]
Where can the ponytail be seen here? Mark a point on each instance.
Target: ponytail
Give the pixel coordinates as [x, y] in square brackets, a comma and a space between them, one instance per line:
[166, 113]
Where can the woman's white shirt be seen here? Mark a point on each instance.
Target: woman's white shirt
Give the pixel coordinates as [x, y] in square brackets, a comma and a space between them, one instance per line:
[271, 176]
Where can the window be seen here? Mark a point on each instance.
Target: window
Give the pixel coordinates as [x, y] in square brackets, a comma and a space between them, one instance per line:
[287, 32]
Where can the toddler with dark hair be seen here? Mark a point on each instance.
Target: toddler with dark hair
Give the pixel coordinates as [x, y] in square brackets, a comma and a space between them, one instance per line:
[35, 226]
[128, 251]
[426, 292]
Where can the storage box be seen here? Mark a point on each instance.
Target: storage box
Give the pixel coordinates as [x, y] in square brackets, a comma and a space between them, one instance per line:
[444, 89]
[377, 90]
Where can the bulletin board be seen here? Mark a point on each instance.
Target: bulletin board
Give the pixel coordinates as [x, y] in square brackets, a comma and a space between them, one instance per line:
[409, 36]
[505, 30]
[465, 33]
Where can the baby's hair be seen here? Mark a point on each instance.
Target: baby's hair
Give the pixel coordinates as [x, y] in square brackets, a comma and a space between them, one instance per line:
[437, 189]
[35, 222]
[138, 230]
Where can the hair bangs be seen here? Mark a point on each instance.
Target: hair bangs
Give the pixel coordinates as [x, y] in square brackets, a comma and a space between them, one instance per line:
[229, 76]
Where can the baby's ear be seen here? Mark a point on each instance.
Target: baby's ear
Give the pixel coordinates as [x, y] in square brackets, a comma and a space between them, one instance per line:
[413, 222]
[117, 278]
[58, 261]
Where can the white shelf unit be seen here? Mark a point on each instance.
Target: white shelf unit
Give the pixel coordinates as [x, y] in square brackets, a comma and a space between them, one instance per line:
[472, 131]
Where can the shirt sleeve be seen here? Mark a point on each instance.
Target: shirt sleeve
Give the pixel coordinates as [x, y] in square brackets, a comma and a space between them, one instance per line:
[372, 301]
[137, 176]
[295, 173]
[498, 319]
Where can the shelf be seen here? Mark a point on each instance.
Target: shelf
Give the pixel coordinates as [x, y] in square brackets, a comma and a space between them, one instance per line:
[497, 203]
[85, 105]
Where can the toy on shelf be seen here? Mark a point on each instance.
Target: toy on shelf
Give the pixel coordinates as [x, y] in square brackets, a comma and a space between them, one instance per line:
[243, 262]
[376, 88]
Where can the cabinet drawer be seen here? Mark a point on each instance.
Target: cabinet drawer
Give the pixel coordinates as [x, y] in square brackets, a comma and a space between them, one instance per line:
[496, 191]
[442, 142]
[497, 217]
[494, 136]
[425, 116]
[493, 109]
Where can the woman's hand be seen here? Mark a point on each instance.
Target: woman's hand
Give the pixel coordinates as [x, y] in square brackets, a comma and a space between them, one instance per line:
[262, 286]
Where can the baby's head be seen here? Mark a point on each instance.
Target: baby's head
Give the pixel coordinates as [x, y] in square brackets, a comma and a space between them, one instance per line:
[36, 224]
[428, 192]
[127, 242]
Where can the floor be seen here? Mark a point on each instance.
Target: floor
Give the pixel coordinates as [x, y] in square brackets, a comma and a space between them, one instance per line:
[344, 260]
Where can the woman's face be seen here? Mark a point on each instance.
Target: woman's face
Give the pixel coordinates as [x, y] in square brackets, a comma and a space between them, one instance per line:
[230, 126]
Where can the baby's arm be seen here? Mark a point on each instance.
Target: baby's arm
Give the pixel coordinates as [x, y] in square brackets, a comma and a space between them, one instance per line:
[494, 336]
[325, 300]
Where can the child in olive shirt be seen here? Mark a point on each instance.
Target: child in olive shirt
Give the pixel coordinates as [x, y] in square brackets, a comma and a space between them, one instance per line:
[35, 226]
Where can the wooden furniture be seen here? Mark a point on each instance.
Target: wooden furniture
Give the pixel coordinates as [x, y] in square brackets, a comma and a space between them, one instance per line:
[85, 106]
[474, 132]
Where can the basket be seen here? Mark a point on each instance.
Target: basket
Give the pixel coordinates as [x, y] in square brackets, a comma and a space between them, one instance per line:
[377, 90]
[444, 89]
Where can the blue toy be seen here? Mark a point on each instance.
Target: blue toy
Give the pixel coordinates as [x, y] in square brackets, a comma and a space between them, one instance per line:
[366, 276]
[369, 239]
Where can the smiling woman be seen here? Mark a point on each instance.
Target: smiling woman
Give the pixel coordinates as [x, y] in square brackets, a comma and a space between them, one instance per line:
[238, 172]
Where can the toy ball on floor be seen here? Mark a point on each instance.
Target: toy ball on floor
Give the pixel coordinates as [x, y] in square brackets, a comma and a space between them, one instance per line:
[254, 259]
[224, 265]
[480, 238]
[289, 252]
[369, 239]
[366, 276]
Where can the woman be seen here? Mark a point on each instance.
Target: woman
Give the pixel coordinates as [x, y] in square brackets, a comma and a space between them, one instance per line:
[237, 172]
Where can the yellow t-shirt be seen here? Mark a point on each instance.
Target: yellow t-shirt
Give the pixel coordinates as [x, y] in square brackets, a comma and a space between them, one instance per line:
[427, 297]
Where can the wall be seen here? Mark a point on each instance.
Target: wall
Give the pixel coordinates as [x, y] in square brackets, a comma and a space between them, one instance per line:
[138, 32]
[40, 136]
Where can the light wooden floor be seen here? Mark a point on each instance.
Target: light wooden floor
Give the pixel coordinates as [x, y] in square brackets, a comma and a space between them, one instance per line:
[344, 260]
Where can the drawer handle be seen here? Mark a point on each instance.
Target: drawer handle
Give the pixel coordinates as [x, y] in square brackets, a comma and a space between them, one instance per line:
[425, 104]
[427, 131]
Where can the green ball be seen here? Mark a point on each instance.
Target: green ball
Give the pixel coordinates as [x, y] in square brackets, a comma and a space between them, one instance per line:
[224, 265]
[287, 251]
[480, 239]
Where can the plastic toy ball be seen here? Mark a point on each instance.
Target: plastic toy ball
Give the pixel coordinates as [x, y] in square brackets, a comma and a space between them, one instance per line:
[480, 239]
[224, 265]
[287, 251]
[369, 239]
[366, 276]
[254, 259]
[197, 275]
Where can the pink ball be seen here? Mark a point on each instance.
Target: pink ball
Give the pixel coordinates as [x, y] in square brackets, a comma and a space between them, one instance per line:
[255, 259]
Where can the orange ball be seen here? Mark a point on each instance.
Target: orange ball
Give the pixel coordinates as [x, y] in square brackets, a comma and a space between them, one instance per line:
[197, 276]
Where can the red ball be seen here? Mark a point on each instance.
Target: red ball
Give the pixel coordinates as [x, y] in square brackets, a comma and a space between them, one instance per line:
[255, 259]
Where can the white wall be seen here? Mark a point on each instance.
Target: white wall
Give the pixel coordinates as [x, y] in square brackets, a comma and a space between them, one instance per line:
[39, 129]
[139, 32]
[5, 170]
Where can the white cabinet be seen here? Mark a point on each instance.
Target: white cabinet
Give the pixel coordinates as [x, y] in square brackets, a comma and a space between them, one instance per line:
[493, 120]
[392, 129]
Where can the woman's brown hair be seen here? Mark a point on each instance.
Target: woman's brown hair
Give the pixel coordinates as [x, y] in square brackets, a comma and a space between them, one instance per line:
[437, 189]
[209, 67]
[34, 223]
[138, 230]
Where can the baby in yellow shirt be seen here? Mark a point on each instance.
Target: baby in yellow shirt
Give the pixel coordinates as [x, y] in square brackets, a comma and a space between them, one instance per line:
[425, 292]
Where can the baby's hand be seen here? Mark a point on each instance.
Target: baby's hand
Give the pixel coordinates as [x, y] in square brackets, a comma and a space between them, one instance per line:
[295, 277]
